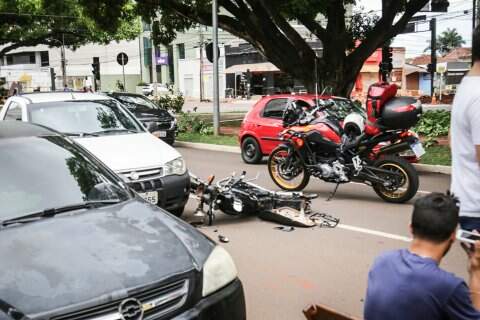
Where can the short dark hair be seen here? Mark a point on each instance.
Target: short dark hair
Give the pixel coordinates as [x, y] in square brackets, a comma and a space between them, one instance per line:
[435, 217]
[476, 44]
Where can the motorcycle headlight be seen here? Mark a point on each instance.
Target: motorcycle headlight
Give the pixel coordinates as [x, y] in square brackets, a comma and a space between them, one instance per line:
[218, 271]
[176, 166]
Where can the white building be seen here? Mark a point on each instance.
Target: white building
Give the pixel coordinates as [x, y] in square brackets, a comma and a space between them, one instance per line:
[31, 66]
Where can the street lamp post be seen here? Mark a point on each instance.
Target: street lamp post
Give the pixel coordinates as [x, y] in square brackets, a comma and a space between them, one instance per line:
[216, 98]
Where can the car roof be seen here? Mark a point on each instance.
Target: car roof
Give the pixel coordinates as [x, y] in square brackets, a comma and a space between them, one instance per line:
[116, 93]
[19, 129]
[39, 97]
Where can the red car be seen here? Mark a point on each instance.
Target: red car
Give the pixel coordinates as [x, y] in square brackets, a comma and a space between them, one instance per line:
[265, 120]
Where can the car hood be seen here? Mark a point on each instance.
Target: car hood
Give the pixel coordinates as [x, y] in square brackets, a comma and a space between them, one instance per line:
[126, 152]
[89, 258]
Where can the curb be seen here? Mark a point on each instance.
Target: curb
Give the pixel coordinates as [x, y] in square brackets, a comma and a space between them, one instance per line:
[428, 168]
[208, 146]
[422, 168]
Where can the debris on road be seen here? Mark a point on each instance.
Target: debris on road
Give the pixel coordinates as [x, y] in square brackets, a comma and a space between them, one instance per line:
[223, 239]
[285, 228]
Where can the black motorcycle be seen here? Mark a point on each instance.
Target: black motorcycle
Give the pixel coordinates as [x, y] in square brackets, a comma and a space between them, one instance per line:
[237, 196]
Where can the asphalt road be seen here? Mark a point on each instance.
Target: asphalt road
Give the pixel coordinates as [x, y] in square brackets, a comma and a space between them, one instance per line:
[282, 272]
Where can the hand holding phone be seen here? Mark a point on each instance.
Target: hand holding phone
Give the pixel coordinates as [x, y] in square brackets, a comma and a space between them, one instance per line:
[467, 236]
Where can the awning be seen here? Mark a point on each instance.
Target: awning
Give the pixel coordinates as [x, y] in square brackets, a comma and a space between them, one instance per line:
[253, 67]
[409, 69]
[369, 68]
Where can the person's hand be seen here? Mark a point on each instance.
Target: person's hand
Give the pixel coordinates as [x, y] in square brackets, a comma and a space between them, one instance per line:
[473, 252]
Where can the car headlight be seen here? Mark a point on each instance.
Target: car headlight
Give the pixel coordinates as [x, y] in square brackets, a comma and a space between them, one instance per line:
[176, 166]
[218, 271]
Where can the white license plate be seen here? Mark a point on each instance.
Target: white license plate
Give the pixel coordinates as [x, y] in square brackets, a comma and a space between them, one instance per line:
[418, 149]
[161, 134]
[151, 197]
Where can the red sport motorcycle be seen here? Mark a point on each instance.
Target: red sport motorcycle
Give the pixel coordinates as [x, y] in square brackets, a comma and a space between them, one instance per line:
[359, 150]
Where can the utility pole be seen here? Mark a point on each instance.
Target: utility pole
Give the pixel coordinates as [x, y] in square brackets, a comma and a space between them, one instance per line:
[386, 53]
[433, 55]
[201, 62]
[140, 55]
[154, 66]
[216, 98]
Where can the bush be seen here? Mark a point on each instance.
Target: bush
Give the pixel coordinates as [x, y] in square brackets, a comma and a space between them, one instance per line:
[190, 123]
[172, 102]
[433, 124]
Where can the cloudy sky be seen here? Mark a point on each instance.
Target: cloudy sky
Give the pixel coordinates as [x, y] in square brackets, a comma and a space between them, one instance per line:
[416, 43]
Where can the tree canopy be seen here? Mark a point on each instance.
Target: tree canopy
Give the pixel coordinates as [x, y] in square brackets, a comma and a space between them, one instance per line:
[348, 38]
[53, 22]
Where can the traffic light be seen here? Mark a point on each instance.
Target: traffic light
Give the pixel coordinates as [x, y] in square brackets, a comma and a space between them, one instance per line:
[439, 5]
[96, 68]
[387, 60]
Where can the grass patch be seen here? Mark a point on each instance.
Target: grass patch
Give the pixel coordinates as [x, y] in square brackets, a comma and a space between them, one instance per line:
[196, 137]
[438, 155]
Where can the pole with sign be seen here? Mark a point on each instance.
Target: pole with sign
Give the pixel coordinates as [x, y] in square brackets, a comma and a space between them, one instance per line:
[122, 60]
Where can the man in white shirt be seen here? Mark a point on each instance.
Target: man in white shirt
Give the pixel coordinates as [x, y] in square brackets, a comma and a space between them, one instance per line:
[465, 142]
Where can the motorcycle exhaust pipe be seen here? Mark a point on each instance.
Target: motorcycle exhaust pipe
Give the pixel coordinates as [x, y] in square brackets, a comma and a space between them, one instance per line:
[394, 148]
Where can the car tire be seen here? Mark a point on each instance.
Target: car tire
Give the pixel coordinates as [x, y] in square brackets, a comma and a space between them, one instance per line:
[177, 212]
[251, 152]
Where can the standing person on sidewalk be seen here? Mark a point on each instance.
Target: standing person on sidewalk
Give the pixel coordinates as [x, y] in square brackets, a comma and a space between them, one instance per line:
[465, 142]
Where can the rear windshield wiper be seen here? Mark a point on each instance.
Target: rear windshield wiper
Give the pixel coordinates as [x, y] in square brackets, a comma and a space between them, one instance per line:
[51, 212]
[80, 134]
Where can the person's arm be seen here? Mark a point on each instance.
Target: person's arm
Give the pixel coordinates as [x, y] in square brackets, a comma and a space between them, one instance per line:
[474, 271]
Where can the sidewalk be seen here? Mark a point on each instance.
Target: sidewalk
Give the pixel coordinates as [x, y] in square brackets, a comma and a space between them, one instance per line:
[230, 105]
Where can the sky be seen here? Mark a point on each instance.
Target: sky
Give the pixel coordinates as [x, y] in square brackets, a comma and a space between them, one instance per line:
[415, 43]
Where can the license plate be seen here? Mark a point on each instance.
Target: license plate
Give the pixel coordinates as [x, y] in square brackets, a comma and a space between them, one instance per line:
[151, 197]
[418, 149]
[160, 134]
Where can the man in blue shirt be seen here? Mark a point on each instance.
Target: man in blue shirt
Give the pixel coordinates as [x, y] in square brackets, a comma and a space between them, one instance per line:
[408, 283]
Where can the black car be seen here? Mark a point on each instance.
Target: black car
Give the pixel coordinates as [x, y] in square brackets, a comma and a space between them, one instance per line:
[155, 118]
[78, 244]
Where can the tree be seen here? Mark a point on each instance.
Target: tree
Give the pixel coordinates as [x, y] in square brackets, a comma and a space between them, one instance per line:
[265, 24]
[448, 40]
[57, 22]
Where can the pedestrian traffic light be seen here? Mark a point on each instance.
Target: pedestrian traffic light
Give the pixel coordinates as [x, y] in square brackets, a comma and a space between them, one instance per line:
[96, 68]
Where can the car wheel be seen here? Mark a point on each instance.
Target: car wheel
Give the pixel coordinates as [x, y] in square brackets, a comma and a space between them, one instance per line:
[251, 152]
[177, 212]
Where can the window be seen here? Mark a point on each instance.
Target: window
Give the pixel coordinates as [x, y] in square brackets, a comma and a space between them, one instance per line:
[14, 112]
[181, 50]
[99, 117]
[274, 108]
[44, 59]
[21, 58]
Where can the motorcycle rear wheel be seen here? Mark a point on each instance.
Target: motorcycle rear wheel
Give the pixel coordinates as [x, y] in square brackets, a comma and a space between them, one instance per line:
[406, 188]
[288, 176]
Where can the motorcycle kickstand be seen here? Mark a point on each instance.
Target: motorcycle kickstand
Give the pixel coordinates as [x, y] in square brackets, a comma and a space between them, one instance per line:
[330, 197]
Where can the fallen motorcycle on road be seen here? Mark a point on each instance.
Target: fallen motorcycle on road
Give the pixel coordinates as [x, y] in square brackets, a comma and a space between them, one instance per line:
[238, 196]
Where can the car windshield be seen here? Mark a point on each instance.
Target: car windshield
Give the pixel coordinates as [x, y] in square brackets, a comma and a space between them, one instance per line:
[343, 107]
[40, 173]
[133, 101]
[100, 116]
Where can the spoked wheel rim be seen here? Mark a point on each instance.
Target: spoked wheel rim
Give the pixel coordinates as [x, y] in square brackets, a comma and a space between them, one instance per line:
[400, 185]
[286, 175]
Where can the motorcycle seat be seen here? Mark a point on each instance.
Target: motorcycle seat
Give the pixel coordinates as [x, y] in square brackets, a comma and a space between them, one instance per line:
[310, 196]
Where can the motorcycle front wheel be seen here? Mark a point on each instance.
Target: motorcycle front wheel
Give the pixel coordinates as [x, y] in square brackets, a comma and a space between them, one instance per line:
[403, 187]
[287, 170]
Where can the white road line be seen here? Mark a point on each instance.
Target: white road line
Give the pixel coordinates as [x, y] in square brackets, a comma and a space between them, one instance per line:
[362, 184]
[374, 233]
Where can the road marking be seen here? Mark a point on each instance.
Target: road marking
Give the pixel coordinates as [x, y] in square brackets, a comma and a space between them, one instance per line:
[363, 184]
[374, 233]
